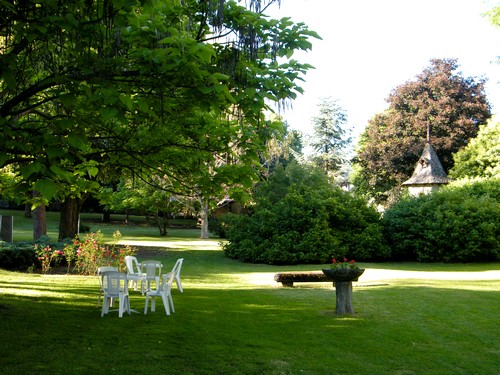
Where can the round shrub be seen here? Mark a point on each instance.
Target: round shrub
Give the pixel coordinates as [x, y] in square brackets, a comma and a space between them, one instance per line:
[459, 223]
[300, 218]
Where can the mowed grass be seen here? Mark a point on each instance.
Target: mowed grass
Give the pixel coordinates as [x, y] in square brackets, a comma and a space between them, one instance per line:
[234, 319]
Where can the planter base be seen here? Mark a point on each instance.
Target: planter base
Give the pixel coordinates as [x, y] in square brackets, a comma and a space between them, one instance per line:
[342, 282]
[343, 293]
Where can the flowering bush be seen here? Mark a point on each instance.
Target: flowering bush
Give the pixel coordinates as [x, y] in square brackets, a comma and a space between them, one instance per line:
[91, 253]
[47, 257]
[344, 265]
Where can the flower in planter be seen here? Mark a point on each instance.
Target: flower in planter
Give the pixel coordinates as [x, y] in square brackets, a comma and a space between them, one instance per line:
[341, 271]
[344, 265]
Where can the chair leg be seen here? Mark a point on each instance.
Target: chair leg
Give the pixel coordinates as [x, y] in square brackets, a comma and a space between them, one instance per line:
[104, 309]
[132, 283]
[146, 305]
[165, 304]
[121, 304]
[171, 302]
[128, 303]
[99, 298]
[179, 284]
[153, 303]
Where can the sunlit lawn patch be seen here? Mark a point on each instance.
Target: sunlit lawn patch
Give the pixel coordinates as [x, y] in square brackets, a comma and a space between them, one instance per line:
[233, 318]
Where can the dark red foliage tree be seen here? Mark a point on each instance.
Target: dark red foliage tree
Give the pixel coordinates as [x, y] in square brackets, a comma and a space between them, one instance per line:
[440, 100]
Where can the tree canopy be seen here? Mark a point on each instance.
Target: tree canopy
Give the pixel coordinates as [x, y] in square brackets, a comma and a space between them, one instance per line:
[91, 90]
[439, 101]
[481, 157]
[330, 137]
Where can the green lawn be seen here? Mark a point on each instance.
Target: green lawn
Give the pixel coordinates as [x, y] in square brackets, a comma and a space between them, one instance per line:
[234, 319]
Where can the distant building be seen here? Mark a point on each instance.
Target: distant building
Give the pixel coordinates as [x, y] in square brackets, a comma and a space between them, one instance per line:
[429, 174]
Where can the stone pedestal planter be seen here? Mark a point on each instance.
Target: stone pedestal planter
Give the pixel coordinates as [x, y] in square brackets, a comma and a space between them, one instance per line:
[342, 281]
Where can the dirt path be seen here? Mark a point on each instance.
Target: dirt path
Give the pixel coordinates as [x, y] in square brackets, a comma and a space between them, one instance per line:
[192, 244]
[381, 274]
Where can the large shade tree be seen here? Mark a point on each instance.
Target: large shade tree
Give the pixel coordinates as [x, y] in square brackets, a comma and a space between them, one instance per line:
[440, 101]
[90, 90]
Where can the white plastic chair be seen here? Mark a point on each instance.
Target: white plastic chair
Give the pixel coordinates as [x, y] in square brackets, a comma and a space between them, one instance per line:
[151, 270]
[116, 287]
[176, 272]
[134, 274]
[163, 290]
[102, 280]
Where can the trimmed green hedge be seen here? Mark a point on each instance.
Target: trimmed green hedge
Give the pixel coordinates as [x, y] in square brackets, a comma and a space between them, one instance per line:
[459, 223]
[21, 256]
[17, 257]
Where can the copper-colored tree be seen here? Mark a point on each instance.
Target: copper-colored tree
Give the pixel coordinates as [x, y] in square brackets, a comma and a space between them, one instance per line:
[439, 101]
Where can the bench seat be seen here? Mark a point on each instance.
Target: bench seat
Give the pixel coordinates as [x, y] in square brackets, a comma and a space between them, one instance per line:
[288, 278]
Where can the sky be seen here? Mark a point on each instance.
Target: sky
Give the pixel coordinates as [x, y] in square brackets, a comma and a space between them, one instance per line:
[369, 47]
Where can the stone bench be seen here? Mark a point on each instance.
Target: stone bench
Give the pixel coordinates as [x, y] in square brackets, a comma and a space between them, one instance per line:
[288, 278]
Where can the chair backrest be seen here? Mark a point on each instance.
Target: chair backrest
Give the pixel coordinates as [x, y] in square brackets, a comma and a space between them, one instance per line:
[132, 265]
[100, 273]
[152, 268]
[166, 283]
[116, 282]
[103, 269]
[176, 270]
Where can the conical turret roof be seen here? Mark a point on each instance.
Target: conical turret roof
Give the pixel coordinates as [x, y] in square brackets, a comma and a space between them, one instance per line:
[428, 170]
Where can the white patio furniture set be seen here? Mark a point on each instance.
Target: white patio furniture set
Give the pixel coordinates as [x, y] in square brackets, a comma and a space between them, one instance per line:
[114, 285]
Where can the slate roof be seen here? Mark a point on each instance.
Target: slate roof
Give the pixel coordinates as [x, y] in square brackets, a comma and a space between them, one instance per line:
[428, 170]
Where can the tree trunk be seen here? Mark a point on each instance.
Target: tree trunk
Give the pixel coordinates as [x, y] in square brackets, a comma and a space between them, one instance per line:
[165, 223]
[39, 222]
[106, 217]
[343, 292]
[160, 223]
[204, 219]
[39, 218]
[27, 210]
[70, 214]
